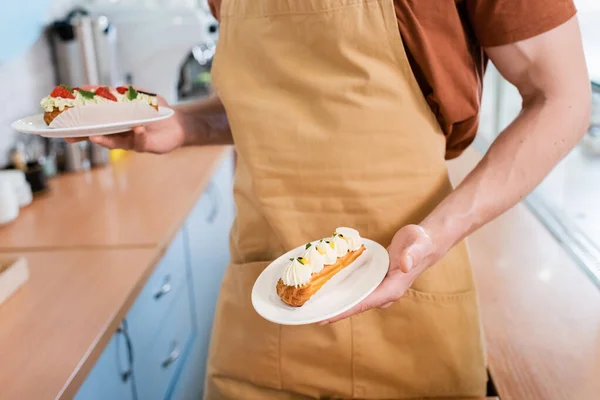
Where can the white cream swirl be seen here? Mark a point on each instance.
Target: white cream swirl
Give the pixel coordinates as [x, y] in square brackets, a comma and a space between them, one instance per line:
[327, 249]
[297, 273]
[351, 236]
[314, 258]
[140, 98]
[341, 245]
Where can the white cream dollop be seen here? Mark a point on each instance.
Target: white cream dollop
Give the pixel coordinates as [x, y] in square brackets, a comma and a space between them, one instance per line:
[327, 249]
[297, 273]
[351, 236]
[341, 245]
[314, 258]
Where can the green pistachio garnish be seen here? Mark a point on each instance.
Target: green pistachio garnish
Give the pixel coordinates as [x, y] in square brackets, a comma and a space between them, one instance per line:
[86, 94]
[131, 93]
[301, 260]
[308, 246]
[291, 259]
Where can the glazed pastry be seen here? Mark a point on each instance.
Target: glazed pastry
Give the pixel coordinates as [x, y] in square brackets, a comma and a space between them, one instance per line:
[305, 275]
[64, 98]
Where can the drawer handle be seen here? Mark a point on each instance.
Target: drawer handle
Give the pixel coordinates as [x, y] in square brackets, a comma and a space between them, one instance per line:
[173, 356]
[126, 374]
[164, 289]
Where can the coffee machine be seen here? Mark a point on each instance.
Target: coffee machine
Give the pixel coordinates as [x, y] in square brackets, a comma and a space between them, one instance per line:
[147, 43]
[156, 39]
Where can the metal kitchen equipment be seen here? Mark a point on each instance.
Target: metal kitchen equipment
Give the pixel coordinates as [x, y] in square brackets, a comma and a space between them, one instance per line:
[85, 50]
[85, 53]
[156, 38]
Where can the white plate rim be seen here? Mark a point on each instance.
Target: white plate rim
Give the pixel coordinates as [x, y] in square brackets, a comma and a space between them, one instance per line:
[369, 244]
[20, 126]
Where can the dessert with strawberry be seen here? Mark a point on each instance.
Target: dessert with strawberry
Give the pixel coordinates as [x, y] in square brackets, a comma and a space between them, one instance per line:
[64, 98]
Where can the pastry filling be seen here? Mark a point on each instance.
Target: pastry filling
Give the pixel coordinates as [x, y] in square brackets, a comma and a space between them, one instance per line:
[68, 98]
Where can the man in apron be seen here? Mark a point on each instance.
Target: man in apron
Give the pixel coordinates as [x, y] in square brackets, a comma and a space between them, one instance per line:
[327, 111]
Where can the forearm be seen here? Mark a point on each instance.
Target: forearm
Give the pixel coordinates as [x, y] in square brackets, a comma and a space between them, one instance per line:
[545, 131]
[204, 122]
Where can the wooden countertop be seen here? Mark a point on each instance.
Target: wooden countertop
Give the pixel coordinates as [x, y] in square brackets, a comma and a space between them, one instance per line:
[140, 201]
[91, 245]
[55, 327]
[541, 313]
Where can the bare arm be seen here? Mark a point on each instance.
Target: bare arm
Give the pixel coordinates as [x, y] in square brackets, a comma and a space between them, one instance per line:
[550, 73]
[204, 122]
[194, 124]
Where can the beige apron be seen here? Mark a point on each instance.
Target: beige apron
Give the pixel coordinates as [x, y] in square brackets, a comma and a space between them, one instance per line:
[332, 130]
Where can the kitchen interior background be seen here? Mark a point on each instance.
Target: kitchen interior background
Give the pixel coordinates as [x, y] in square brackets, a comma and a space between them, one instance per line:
[567, 201]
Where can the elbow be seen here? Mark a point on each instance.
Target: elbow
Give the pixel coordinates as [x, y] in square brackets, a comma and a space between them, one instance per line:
[572, 106]
[583, 114]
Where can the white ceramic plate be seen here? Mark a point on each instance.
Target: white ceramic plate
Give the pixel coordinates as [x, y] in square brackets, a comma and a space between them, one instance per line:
[35, 125]
[342, 292]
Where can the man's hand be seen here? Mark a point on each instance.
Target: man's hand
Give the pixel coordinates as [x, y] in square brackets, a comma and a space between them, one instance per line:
[161, 137]
[200, 123]
[412, 251]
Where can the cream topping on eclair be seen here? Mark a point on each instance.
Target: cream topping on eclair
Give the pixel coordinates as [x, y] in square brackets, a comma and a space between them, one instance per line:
[50, 103]
[297, 273]
[351, 236]
[314, 258]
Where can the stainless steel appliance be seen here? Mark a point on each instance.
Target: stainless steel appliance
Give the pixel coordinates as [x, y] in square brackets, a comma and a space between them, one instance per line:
[85, 50]
[85, 53]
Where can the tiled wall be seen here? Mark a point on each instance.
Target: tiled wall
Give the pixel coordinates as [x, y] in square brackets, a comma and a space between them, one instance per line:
[25, 79]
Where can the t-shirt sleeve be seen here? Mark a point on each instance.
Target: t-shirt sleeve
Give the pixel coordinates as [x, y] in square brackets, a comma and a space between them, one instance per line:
[214, 7]
[500, 22]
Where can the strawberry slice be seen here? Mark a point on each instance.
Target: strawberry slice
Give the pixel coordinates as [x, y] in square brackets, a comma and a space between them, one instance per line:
[62, 92]
[105, 93]
[122, 89]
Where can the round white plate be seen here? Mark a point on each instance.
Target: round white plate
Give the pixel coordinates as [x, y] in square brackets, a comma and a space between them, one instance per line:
[342, 292]
[35, 125]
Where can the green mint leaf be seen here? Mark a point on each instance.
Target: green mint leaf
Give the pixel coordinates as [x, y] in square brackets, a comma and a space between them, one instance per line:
[86, 94]
[131, 93]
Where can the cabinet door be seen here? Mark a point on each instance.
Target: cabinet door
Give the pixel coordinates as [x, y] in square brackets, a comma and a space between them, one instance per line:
[152, 306]
[157, 366]
[207, 235]
[111, 377]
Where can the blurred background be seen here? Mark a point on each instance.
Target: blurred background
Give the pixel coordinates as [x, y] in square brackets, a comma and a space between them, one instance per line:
[568, 201]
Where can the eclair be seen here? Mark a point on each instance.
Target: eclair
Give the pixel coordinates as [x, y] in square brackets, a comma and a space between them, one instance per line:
[64, 98]
[305, 275]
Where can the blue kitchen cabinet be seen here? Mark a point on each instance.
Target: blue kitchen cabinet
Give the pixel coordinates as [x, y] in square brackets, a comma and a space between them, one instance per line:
[111, 377]
[157, 365]
[160, 352]
[207, 236]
